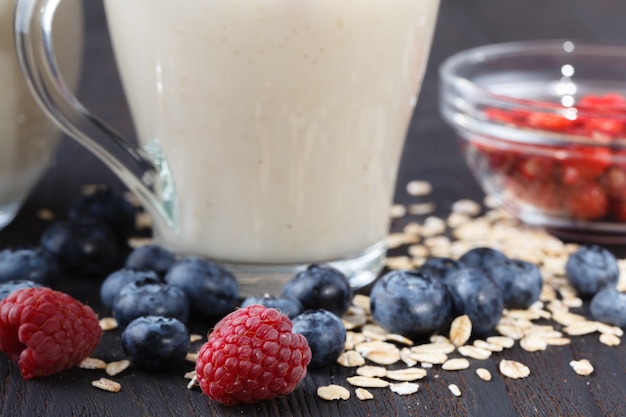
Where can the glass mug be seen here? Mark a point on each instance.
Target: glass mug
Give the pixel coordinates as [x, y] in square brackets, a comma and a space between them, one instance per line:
[27, 137]
[270, 131]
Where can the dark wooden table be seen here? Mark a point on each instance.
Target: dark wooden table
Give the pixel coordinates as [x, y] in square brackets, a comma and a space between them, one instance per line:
[430, 154]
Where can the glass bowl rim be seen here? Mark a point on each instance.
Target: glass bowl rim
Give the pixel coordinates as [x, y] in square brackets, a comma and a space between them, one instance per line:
[464, 88]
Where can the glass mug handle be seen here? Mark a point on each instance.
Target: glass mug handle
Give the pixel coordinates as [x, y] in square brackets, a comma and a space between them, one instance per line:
[144, 173]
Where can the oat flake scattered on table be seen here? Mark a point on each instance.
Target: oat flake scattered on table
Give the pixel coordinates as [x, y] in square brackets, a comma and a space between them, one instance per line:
[582, 367]
[333, 392]
[513, 369]
[404, 388]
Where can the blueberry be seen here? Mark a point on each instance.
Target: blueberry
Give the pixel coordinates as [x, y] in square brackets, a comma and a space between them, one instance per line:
[7, 287]
[151, 257]
[482, 258]
[609, 306]
[82, 247]
[156, 343]
[325, 333]
[28, 264]
[109, 207]
[410, 303]
[320, 286]
[590, 269]
[519, 281]
[149, 297]
[439, 267]
[291, 307]
[113, 283]
[211, 289]
[475, 294]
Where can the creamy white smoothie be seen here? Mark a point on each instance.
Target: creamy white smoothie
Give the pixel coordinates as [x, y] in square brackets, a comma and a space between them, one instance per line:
[27, 138]
[282, 121]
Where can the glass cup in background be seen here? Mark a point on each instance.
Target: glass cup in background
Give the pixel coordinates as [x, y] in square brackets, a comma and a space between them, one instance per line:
[270, 131]
[27, 137]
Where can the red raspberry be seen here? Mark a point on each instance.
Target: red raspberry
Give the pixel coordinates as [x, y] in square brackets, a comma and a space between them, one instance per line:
[252, 356]
[46, 331]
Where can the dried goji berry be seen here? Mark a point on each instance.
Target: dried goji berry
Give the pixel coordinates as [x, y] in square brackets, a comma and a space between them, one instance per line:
[585, 182]
[588, 202]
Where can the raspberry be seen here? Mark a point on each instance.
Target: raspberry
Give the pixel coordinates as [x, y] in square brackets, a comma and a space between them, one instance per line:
[46, 331]
[252, 355]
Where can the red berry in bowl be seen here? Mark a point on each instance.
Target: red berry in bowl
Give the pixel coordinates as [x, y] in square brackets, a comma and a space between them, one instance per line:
[252, 355]
[587, 202]
[46, 332]
[577, 177]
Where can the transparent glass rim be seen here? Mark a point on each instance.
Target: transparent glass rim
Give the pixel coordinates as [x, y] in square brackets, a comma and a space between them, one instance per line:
[462, 94]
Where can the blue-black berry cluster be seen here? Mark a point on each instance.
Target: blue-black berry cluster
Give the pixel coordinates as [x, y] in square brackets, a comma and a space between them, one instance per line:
[86, 244]
[480, 284]
[594, 273]
[90, 241]
[154, 295]
[150, 291]
[192, 284]
[314, 299]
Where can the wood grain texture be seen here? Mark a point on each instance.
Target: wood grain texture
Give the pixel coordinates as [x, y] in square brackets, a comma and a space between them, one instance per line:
[431, 153]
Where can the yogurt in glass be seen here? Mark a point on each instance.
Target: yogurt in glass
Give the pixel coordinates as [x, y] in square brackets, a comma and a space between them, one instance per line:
[282, 121]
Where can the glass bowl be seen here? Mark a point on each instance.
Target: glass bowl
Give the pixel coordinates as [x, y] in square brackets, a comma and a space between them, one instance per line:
[542, 126]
